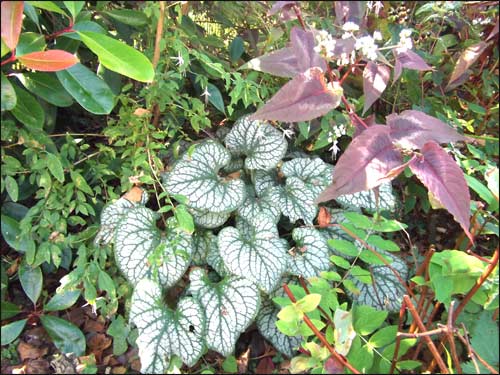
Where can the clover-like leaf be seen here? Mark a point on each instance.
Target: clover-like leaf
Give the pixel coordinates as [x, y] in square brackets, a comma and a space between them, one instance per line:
[368, 200]
[386, 291]
[315, 173]
[254, 250]
[310, 255]
[295, 200]
[261, 143]
[139, 251]
[255, 206]
[207, 219]
[230, 306]
[266, 323]
[111, 215]
[164, 332]
[196, 177]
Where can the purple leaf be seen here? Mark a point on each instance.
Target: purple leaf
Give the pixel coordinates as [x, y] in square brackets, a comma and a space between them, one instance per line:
[439, 172]
[349, 11]
[284, 7]
[412, 129]
[464, 62]
[303, 98]
[375, 78]
[409, 60]
[365, 164]
[281, 63]
[303, 46]
[359, 127]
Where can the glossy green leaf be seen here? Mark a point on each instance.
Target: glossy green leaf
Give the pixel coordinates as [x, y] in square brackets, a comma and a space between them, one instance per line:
[163, 332]
[9, 310]
[367, 319]
[74, 7]
[47, 5]
[184, 219]
[111, 215]
[32, 281]
[128, 16]
[85, 26]
[11, 233]
[62, 301]
[11, 331]
[28, 110]
[215, 97]
[310, 255]
[91, 92]
[30, 42]
[9, 98]
[384, 336]
[12, 188]
[231, 305]
[55, 166]
[119, 57]
[236, 49]
[65, 335]
[32, 14]
[47, 87]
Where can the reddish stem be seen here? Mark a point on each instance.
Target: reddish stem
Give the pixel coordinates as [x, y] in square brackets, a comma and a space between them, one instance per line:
[351, 112]
[10, 59]
[299, 16]
[54, 35]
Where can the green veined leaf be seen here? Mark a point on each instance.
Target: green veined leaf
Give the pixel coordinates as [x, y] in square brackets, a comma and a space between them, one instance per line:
[11, 331]
[65, 335]
[232, 304]
[137, 240]
[202, 240]
[128, 16]
[262, 144]
[196, 177]
[163, 332]
[55, 166]
[119, 57]
[367, 200]
[207, 219]
[266, 323]
[47, 87]
[91, 92]
[295, 200]
[254, 206]
[32, 281]
[254, 251]
[264, 180]
[314, 173]
[111, 215]
[310, 255]
[9, 98]
[28, 110]
[62, 301]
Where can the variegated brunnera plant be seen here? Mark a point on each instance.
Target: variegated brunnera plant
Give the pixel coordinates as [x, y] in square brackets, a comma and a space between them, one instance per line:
[242, 188]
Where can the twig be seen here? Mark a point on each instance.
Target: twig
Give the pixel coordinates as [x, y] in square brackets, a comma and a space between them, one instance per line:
[451, 338]
[473, 354]
[156, 56]
[398, 338]
[306, 289]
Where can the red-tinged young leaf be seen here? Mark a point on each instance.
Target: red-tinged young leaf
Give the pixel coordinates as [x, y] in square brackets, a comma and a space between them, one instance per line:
[52, 60]
[409, 60]
[12, 20]
[412, 129]
[439, 172]
[303, 45]
[365, 164]
[464, 62]
[303, 98]
[375, 78]
[333, 366]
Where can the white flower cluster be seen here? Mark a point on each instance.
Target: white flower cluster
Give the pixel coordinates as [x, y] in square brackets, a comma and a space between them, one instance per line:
[367, 45]
[325, 44]
[405, 42]
[479, 21]
[374, 6]
[338, 131]
[349, 28]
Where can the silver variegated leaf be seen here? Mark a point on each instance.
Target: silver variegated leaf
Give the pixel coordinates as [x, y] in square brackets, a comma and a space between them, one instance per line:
[264, 180]
[230, 306]
[295, 200]
[207, 219]
[266, 323]
[234, 165]
[315, 173]
[214, 259]
[310, 255]
[163, 332]
[202, 241]
[137, 243]
[386, 291]
[262, 144]
[254, 206]
[366, 199]
[111, 214]
[254, 251]
[196, 177]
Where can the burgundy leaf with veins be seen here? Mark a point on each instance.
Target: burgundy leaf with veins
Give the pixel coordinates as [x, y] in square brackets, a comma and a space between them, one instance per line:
[303, 98]
[464, 62]
[365, 164]
[375, 78]
[303, 45]
[439, 172]
[285, 9]
[412, 129]
[409, 60]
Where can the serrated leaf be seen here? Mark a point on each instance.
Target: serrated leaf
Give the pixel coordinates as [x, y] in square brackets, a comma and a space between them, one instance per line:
[412, 129]
[9, 98]
[409, 60]
[232, 304]
[295, 200]
[254, 251]
[11, 331]
[368, 199]
[196, 177]
[111, 215]
[48, 61]
[304, 98]
[164, 332]
[65, 335]
[375, 79]
[266, 323]
[12, 21]
[262, 144]
[365, 164]
[315, 173]
[137, 239]
[439, 172]
[310, 255]
[207, 219]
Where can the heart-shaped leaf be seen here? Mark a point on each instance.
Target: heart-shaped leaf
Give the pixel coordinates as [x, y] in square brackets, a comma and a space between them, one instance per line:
[310, 255]
[140, 253]
[255, 206]
[262, 144]
[264, 180]
[111, 215]
[196, 177]
[368, 200]
[295, 200]
[254, 251]
[266, 323]
[207, 219]
[48, 61]
[164, 332]
[231, 305]
[281, 63]
[385, 292]
[315, 173]
[12, 21]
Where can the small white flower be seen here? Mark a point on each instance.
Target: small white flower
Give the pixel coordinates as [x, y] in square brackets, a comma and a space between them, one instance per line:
[367, 46]
[288, 133]
[349, 28]
[179, 58]
[377, 35]
[334, 149]
[206, 94]
[375, 6]
[405, 41]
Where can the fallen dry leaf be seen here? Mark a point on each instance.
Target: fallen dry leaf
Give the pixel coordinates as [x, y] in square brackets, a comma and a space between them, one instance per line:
[324, 217]
[99, 342]
[134, 194]
[242, 361]
[95, 325]
[265, 366]
[139, 112]
[119, 370]
[38, 366]
[28, 351]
